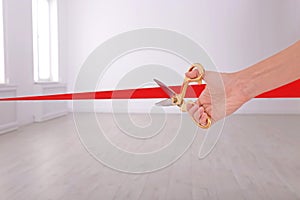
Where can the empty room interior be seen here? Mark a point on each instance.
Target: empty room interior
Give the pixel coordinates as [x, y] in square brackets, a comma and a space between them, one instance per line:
[149, 100]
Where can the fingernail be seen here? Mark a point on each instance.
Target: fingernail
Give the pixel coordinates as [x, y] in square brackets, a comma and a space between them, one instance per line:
[201, 110]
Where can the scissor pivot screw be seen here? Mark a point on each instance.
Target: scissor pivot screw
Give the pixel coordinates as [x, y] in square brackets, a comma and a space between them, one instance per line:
[174, 100]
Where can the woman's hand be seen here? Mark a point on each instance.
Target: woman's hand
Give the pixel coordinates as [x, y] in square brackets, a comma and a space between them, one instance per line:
[222, 96]
[226, 92]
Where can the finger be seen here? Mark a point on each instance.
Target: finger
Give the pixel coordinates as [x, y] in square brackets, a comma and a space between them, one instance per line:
[208, 110]
[198, 114]
[198, 102]
[192, 74]
[203, 119]
[189, 105]
[193, 109]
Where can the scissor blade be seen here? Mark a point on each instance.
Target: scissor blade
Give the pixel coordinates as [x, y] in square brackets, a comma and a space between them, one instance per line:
[166, 102]
[165, 88]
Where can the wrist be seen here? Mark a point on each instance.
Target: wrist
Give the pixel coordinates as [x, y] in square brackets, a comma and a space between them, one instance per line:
[244, 85]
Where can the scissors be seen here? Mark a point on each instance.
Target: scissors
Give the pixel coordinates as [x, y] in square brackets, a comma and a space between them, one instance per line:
[178, 99]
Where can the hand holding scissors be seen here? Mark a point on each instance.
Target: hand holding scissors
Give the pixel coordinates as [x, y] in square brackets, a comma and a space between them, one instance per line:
[178, 99]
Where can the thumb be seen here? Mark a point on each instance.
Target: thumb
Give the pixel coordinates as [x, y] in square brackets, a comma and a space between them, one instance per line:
[192, 74]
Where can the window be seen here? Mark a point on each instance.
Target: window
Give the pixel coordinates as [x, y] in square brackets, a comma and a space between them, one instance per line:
[45, 40]
[2, 63]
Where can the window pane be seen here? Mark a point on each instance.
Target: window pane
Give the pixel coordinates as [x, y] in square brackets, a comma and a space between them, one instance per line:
[43, 26]
[2, 64]
[54, 40]
[45, 40]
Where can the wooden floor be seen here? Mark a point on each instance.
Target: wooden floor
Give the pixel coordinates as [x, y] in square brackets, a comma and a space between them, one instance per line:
[258, 157]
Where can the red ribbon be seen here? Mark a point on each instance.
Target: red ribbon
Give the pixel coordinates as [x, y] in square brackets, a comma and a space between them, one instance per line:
[291, 90]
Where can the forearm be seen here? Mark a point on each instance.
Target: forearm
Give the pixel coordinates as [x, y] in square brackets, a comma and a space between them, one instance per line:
[273, 72]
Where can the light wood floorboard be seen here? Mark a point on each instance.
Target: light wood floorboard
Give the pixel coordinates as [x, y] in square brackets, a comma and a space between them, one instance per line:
[257, 157]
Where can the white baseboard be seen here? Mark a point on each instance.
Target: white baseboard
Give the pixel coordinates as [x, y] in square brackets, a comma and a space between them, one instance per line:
[8, 117]
[45, 110]
[8, 127]
[271, 106]
[255, 106]
[49, 116]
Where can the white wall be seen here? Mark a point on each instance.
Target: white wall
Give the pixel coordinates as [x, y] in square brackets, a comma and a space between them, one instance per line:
[18, 49]
[19, 58]
[235, 33]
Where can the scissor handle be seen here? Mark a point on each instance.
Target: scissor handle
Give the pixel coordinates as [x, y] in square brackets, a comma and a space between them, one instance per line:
[187, 80]
[200, 76]
[208, 121]
[206, 126]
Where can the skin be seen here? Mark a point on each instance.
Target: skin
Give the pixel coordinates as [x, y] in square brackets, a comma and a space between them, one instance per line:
[239, 87]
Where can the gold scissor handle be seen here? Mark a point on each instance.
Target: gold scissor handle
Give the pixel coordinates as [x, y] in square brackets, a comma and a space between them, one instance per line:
[200, 76]
[208, 121]
[187, 80]
[206, 126]
[185, 84]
